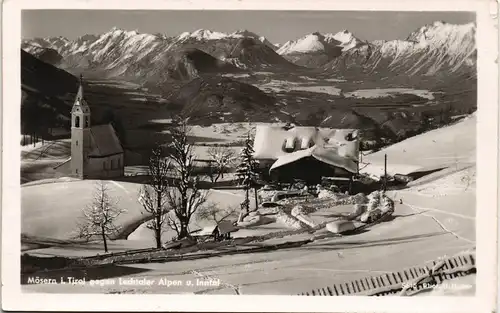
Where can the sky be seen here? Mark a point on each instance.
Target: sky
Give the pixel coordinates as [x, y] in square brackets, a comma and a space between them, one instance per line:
[276, 26]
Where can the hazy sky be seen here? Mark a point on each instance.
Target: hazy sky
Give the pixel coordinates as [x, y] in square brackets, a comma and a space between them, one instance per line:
[277, 26]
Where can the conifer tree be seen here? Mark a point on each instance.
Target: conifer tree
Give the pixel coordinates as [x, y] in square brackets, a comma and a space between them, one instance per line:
[247, 174]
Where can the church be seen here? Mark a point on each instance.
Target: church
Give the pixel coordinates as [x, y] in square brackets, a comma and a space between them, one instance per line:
[96, 151]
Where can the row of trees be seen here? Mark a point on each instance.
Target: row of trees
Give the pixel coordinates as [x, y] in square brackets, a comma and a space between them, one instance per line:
[172, 195]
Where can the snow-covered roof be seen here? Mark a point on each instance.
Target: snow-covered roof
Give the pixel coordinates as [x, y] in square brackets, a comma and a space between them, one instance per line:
[338, 147]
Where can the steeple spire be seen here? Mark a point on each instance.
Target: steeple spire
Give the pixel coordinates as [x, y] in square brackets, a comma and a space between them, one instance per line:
[79, 94]
[80, 103]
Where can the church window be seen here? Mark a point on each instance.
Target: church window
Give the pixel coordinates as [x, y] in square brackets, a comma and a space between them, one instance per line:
[76, 171]
[112, 164]
[77, 142]
[77, 121]
[104, 165]
[87, 121]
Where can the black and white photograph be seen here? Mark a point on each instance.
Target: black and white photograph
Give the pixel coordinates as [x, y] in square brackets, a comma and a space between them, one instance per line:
[248, 152]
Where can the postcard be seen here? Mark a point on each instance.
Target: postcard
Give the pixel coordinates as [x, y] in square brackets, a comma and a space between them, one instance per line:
[250, 156]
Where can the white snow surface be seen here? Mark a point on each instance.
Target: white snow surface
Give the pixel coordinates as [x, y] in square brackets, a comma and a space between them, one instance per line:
[388, 92]
[207, 34]
[317, 42]
[345, 39]
[308, 43]
[429, 49]
[450, 146]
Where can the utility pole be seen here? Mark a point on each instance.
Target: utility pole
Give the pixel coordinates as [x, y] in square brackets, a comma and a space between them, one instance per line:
[385, 172]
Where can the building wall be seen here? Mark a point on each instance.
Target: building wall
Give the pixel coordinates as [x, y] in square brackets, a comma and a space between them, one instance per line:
[307, 169]
[80, 145]
[80, 140]
[107, 167]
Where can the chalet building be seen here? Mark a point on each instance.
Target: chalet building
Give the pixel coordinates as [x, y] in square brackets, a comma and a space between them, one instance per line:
[306, 153]
[96, 151]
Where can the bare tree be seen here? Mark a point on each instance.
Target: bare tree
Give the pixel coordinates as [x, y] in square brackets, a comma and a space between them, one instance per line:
[100, 215]
[152, 195]
[184, 197]
[212, 212]
[220, 159]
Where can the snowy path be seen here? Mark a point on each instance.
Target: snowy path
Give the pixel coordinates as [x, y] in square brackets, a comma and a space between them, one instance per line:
[423, 210]
[440, 211]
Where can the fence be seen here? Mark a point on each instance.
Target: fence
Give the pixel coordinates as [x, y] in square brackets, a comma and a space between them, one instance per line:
[407, 281]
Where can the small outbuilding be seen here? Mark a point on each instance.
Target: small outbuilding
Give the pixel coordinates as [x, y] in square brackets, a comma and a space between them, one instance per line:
[217, 232]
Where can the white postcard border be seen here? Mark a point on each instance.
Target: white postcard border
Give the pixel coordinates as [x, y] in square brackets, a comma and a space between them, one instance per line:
[487, 169]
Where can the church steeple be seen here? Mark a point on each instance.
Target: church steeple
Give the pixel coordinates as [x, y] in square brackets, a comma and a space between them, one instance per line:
[80, 105]
[79, 94]
[80, 133]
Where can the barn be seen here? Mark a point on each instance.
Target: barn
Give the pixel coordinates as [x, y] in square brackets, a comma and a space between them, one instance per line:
[306, 153]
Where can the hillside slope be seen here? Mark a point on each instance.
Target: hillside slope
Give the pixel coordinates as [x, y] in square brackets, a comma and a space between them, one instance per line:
[450, 146]
[45, 103]
[220, 99]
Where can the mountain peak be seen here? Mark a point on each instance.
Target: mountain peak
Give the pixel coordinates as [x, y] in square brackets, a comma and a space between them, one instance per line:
[116, 29]
[309, 43]
[442, 33]
[207, 34]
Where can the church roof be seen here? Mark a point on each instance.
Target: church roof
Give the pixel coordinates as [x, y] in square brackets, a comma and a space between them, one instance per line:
[105, 141]
[80, 103]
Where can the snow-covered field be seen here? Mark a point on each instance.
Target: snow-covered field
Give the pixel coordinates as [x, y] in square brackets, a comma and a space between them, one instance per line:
[236, 75]
[320, 89]
[52, 210]
[422, 230]
[410, 239]
[286, 86]
[388, 92]
[335, 80]
[450, 146]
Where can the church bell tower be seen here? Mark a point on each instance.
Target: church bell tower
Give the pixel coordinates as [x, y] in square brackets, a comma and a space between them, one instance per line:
[80, 133]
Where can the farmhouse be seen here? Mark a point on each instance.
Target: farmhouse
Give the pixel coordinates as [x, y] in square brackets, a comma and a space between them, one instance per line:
[96, 151]
[306, 153]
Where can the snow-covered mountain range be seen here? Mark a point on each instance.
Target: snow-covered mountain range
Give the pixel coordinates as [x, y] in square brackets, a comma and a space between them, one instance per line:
[128, 53]
[317, 42]
[430, 49]
[435, 48]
